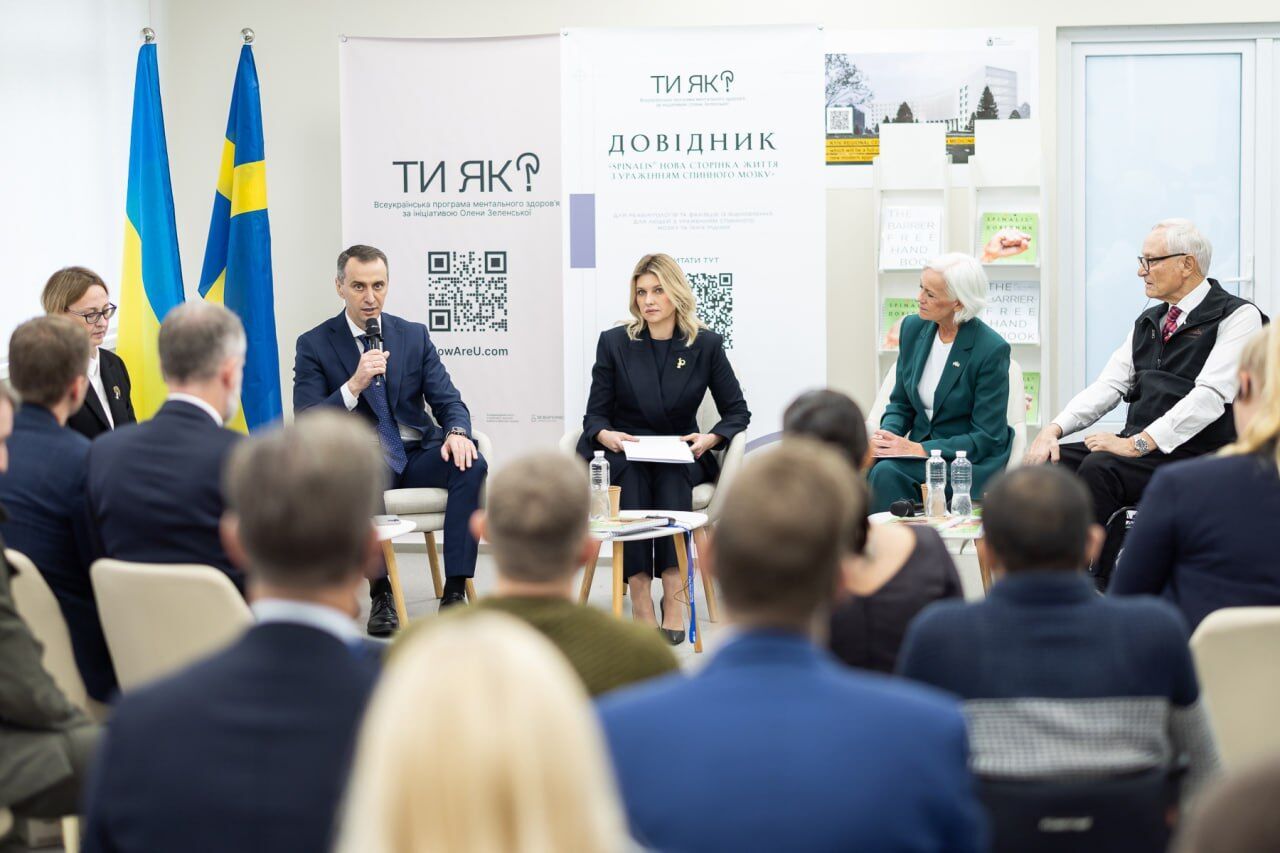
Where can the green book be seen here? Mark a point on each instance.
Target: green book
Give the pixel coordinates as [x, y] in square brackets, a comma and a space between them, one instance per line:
[1017, 238]
[891, 312]
[1031, 386]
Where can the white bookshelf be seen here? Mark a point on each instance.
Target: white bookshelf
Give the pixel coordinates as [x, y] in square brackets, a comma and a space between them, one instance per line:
[911, 171]
[1005, 176]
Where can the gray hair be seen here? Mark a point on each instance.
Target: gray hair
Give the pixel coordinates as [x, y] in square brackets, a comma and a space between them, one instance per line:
[196, 338]
[966, 282]
[304, 497]
[1183, 237]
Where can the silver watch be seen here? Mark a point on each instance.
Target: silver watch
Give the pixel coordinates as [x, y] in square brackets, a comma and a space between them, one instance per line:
[1141, 445]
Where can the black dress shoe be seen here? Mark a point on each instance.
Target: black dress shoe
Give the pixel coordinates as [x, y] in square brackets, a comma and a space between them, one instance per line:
[383, 620]
[671, 635]
[453, 599]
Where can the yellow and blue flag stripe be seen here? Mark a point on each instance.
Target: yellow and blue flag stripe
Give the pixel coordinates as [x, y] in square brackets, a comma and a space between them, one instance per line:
[237, 257]
[151, 281]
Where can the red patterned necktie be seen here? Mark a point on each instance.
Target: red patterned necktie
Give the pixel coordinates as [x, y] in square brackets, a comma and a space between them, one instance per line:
[1171, 321]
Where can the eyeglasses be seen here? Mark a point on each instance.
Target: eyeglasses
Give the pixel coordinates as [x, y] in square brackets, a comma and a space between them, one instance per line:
[1145, 263]
[92, 317]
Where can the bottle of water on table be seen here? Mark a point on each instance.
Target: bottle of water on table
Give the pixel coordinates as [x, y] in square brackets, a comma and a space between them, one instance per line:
[936, 485]
[961, 483]
[599, 487]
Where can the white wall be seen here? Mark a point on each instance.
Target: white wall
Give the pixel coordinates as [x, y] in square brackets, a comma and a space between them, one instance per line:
[297, 59]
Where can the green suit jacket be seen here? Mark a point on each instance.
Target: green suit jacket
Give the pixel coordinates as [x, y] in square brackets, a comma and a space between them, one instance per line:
[970, 405]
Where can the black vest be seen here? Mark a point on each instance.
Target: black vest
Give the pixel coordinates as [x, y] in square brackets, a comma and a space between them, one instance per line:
[1164, 373]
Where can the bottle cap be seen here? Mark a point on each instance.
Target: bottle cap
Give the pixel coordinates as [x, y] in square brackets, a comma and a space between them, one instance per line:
[935, 452]
[960, 454]
[599, 453]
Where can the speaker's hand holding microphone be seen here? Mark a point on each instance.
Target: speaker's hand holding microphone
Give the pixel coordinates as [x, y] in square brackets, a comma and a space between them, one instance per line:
[373, 363]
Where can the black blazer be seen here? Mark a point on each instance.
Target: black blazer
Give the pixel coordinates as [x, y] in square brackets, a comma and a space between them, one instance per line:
[154, 489]
[247, 750]
[91, 421]
[626, 395]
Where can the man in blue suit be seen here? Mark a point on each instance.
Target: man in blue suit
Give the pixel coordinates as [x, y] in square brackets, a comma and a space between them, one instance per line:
[43, 490]
[385, 372]
[776, 746]
[249, 749]
[155, 488]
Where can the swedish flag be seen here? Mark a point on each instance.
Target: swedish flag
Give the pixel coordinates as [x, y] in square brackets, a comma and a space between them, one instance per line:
[237, 258]
[151, 282]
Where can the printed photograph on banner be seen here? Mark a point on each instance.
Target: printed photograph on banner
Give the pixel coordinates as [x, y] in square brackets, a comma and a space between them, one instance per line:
[948, 77]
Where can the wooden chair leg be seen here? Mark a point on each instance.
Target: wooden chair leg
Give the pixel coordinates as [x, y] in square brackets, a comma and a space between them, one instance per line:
[393, 575]
[682, 560]
[433, 557]
[471, 592]
[589, 575]
[71, 834]
[983, 568]
[617, 579]
[708, 585]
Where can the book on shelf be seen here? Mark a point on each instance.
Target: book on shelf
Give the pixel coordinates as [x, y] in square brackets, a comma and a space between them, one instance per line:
[892, 310]
[1009, 238]
[1031, 387]
[910, 236]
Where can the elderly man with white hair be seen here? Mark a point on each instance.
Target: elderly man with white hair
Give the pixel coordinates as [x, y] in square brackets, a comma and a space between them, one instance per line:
[952, 387]
[1176, 370]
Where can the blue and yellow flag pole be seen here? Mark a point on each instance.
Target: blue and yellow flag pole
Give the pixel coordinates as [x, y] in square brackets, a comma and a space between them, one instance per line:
[151, 280]
[237, 256]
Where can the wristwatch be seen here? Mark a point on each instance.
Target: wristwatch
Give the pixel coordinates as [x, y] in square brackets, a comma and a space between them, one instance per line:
[459, 431]
[1141, 445]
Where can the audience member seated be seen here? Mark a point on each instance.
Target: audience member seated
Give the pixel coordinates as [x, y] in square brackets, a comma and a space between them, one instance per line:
[45, 741]
[951, 390]
[250, 748]
[536, 524]
[897, 572]
[480, 738]
[155, 489]
[1199, 538]
[774, 745]
[43, 490]
[1058, 682]
[81, 295]
[1237, 815]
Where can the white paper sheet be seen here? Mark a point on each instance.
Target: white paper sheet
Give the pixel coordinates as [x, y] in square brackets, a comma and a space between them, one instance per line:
[658, 448]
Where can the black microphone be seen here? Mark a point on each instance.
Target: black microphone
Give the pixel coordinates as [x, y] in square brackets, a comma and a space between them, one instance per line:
[906, 508]
[373, 332]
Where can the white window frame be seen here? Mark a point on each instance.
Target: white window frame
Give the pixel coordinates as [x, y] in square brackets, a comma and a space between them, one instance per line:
[1259, 177]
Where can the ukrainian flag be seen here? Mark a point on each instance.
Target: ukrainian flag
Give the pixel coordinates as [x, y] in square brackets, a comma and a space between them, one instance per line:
[151, 282]
[237, 258]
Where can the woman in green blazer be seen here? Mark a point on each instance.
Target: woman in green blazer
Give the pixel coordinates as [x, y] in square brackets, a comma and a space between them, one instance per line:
[952, 388]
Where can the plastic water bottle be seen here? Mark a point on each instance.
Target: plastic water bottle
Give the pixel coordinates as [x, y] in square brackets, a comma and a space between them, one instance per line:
[936, 482]
[599, 487]
[961, 483]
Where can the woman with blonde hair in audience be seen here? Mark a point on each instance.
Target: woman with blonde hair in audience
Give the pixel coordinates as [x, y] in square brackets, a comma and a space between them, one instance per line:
[1200, 536]
[480, 739]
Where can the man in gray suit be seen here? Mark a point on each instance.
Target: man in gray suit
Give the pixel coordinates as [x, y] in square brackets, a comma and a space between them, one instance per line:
[45, 741]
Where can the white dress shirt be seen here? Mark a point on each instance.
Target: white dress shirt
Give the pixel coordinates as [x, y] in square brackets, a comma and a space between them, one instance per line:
[1216, 385]
[938, 355]
[318, 616]
[407, 433]
[199, 404]
[95, 382]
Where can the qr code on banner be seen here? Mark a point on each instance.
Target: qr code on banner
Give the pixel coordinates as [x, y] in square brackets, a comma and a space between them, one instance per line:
[467, 291]
[839, 119]
[714, 292]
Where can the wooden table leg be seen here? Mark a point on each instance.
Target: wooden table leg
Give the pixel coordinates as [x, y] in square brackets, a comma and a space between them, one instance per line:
[708, 585]
[433, 557]
[472, 598]
[617, 579]
[589, 575]
[682, 560]
[393, 575]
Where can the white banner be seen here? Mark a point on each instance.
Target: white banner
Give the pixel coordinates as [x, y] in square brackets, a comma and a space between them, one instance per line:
[704, 144]
[451, 165]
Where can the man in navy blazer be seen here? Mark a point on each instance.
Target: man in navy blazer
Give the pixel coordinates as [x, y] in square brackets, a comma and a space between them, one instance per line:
[775, 745]
[386, 373]
[155, 488]
[43, 490]
[249, 749]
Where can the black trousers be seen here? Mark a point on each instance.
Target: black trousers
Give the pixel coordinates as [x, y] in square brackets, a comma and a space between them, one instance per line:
[1114, 481]
[426, 470]
[656, 486]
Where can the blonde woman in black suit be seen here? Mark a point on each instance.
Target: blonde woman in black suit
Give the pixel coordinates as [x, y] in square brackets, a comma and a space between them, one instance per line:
[82, 295]
[649, 378]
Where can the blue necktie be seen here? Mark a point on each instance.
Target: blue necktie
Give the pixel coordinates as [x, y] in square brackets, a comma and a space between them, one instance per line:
[388, 433]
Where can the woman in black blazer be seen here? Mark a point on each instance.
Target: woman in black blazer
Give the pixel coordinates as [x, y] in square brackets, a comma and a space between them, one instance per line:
[649, 378]
[82, 295]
